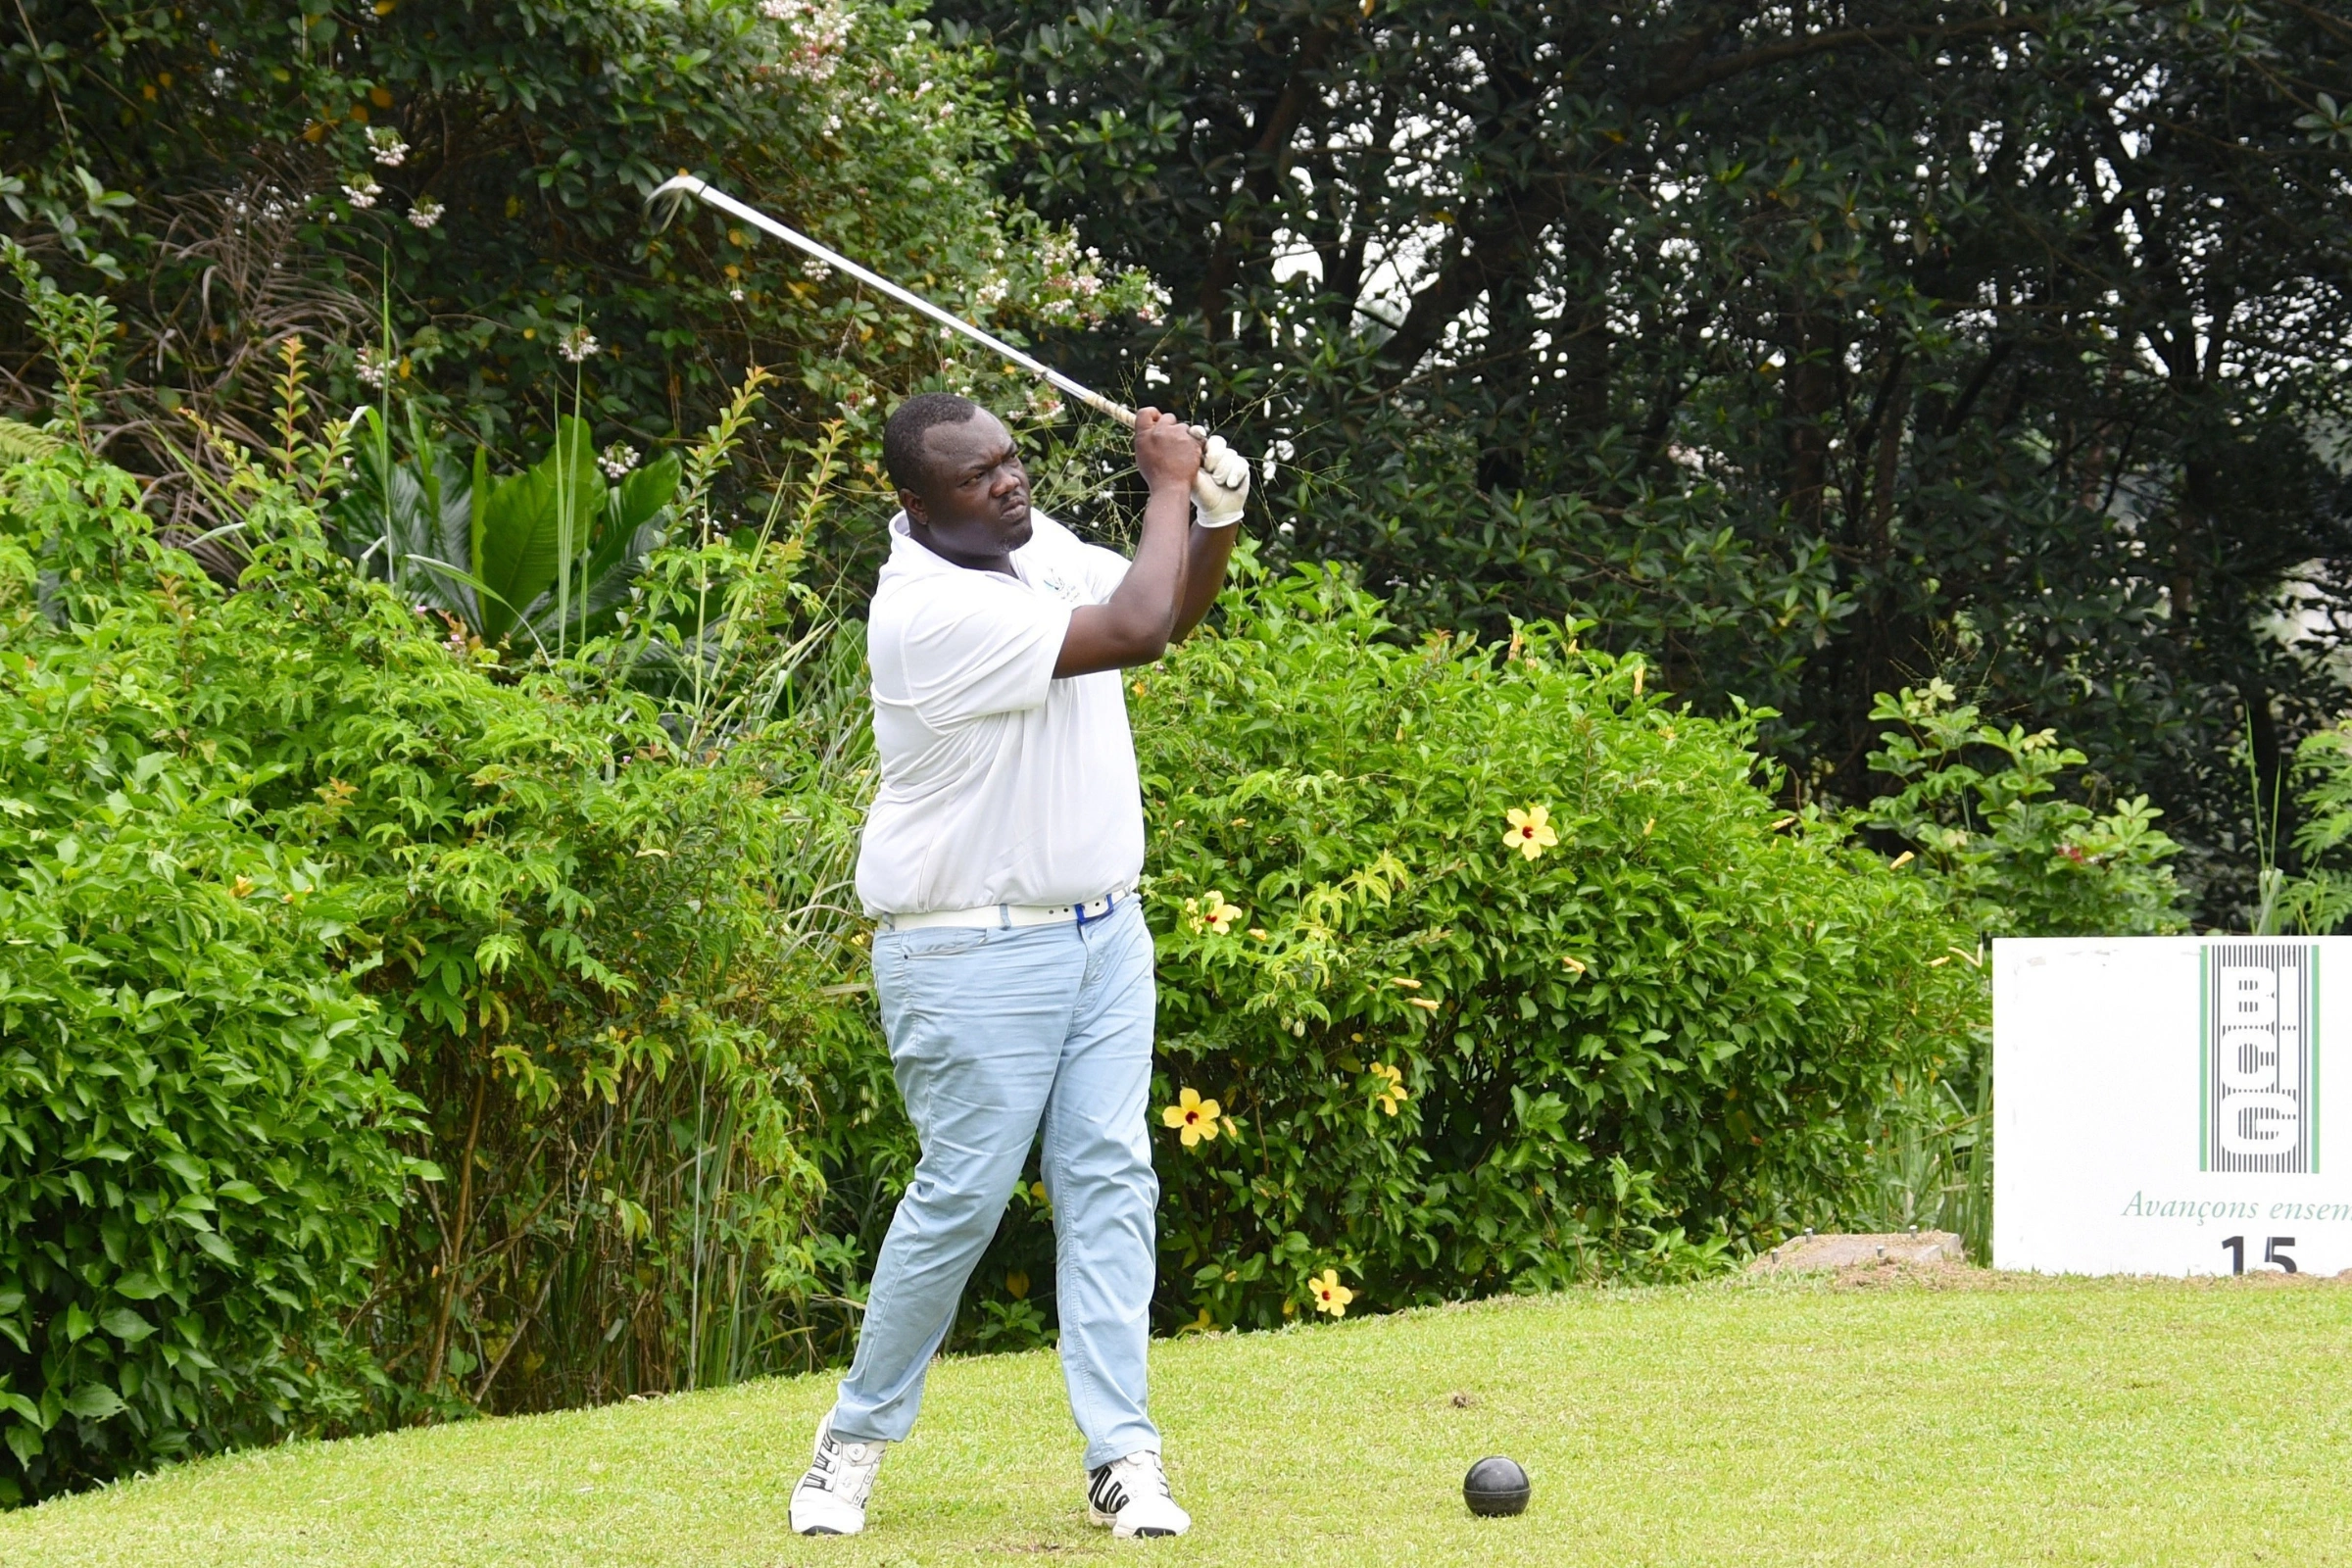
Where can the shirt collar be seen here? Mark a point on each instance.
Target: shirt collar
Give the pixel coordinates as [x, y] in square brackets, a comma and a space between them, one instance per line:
[909, 558]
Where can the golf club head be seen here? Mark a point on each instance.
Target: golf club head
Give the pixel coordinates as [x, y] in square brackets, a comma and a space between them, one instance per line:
[662, 204]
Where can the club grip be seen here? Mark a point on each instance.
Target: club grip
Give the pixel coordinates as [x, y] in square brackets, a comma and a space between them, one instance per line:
[1206, 492]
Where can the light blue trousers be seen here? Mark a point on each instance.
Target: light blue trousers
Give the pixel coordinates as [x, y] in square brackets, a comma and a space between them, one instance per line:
[994, 1035]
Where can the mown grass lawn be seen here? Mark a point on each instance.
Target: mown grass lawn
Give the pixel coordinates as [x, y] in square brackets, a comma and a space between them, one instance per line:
[1960, 1419]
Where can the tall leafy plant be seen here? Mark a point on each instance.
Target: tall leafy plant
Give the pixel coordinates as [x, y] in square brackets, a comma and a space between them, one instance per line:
[75, 330]
[2318, 901]
[544, 558]
[2011, 830]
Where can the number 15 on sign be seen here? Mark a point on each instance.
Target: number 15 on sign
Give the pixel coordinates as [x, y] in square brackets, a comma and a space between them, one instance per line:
[2275, 1253]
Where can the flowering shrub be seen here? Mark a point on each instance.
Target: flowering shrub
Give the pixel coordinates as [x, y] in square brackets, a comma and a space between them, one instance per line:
[1524, 975]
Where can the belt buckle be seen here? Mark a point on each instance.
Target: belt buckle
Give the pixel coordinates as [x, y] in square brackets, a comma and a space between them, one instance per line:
[1109, 901]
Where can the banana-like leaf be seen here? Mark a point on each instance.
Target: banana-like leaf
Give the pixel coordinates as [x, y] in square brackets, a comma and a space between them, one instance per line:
[628, 524]
[490, 551]
[514, 539]
[531, 535]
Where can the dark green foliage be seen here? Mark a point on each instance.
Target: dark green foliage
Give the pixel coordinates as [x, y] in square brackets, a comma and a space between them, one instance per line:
[198, 1125]
[1817, 351]
[237, 171]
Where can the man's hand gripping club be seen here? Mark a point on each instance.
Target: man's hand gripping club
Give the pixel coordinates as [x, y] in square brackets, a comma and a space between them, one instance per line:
[1179, 563]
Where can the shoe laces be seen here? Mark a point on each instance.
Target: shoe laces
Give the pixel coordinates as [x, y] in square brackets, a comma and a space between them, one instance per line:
[846, 1469]
[1138, 1473]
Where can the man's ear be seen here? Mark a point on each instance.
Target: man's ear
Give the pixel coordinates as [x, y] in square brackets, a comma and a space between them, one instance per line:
[913, 505]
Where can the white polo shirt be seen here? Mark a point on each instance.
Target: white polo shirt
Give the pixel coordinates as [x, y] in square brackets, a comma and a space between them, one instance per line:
[1000, 784]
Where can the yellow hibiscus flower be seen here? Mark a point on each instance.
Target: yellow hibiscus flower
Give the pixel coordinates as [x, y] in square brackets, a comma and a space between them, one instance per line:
[1329, 1295]
[1392, 1090]
[1211, 913]
[1192, 1117]
[1530, 832]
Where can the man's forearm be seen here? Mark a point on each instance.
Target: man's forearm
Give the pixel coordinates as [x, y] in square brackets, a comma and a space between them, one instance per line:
[1152, 595]
[1206, 552]
[1134, 626]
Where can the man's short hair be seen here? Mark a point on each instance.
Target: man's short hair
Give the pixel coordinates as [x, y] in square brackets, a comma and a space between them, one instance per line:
[902, 451]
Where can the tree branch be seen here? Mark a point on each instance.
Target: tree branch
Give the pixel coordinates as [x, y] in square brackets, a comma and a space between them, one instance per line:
[1264, 165]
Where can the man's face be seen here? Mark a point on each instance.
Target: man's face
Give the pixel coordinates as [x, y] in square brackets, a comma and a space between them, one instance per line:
[974, 503]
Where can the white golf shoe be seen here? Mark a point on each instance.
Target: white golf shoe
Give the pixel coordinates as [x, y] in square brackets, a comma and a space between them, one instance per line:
[830, 1500]
[1130, 1496]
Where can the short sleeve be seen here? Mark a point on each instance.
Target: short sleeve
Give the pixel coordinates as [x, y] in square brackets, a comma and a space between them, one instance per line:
[983, 648]
[1105, 569]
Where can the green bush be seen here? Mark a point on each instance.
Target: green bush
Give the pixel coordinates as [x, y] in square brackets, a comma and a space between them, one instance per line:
[198, 1129]
[588, 915]
[1443, 1067]
[543, 559]
[2015, 858]
[374, 891]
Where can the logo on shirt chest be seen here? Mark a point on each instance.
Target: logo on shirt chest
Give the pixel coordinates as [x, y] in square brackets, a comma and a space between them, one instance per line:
[1060, 587]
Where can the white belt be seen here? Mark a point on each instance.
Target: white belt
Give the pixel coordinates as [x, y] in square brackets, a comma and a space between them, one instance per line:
[1005, 916]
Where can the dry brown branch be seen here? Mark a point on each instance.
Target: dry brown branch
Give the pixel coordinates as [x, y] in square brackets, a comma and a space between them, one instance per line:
[226, 285]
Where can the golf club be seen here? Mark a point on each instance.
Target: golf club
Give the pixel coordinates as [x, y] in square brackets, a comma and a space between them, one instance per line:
[670, 194]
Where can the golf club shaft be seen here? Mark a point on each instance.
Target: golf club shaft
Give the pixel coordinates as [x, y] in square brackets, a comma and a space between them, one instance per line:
[687, 184]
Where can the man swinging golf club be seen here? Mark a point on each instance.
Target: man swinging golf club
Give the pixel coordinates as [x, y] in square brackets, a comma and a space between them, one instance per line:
[1011, 960]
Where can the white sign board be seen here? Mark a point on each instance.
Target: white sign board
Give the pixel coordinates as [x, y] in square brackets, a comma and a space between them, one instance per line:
[2160, 1104]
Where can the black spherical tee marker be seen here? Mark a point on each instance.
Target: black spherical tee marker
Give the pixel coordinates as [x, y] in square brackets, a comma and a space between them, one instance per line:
[1496, 1487]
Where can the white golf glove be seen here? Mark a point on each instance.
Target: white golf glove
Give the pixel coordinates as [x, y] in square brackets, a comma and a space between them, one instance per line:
[1222, 488]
